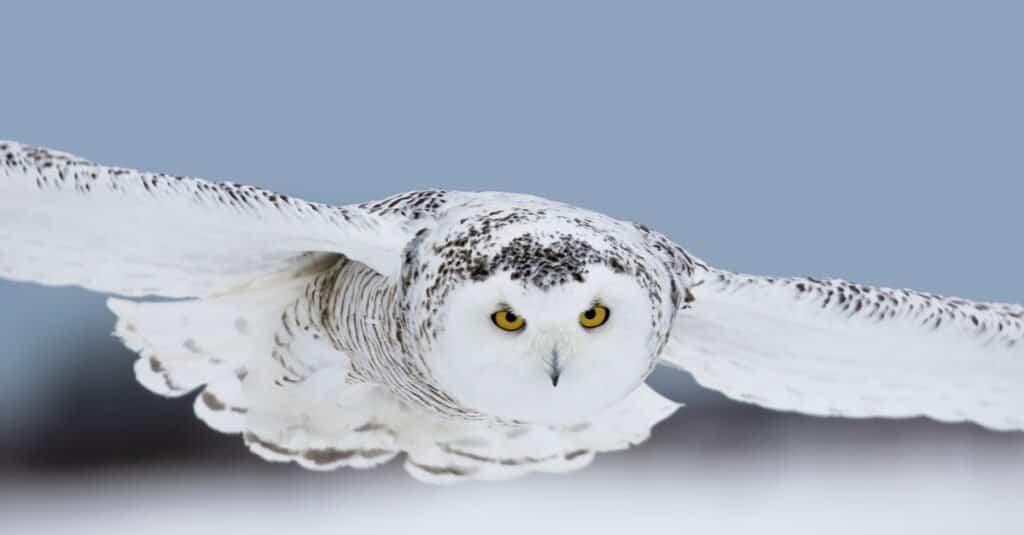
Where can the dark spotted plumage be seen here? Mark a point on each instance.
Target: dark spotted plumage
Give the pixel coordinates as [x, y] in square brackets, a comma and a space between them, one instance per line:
[409, 205]
[993, 323]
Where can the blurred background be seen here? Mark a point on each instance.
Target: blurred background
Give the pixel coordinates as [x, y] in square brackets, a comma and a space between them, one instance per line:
[878, 141]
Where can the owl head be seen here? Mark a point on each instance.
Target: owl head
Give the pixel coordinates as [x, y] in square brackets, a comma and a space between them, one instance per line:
[530, 317]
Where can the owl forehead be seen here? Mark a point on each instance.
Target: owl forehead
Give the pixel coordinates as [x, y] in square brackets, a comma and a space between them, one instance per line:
[532, 246]
[546, 259]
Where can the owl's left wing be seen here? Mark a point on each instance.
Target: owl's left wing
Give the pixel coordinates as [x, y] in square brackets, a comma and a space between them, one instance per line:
[65, 220]
[835, 348]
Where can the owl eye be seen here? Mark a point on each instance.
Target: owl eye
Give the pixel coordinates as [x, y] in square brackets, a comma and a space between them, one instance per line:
[594, 316]
[507, 320]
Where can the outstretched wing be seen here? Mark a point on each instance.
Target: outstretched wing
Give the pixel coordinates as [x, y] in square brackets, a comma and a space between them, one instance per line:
[830, 347]
[65, 220]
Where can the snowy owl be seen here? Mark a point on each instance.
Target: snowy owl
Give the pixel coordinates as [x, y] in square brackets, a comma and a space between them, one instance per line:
[482, 335]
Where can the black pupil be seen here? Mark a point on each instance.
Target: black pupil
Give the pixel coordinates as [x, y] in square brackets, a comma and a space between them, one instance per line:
[510, 317]
[590, 314]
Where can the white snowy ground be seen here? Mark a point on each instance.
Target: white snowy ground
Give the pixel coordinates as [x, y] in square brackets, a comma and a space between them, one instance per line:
[797, 475]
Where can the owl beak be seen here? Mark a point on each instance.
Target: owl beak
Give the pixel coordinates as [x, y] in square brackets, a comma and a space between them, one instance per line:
[555, 368]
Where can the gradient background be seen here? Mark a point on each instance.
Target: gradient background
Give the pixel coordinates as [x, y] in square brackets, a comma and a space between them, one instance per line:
[878, 141]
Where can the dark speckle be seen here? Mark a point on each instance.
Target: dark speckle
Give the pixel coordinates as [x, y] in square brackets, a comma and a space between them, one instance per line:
[212, 402]
[191, 346]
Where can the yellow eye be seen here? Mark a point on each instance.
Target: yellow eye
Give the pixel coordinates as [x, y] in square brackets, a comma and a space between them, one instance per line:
[594, 317]
[507, 320]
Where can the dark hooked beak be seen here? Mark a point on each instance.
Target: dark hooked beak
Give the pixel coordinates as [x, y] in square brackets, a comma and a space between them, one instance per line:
[556, 368]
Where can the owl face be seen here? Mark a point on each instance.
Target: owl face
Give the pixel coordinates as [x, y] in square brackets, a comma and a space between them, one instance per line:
[557, 355]
[528, 315]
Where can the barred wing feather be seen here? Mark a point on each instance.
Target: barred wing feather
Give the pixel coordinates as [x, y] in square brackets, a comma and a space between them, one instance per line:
[68, 221]
[830, 347]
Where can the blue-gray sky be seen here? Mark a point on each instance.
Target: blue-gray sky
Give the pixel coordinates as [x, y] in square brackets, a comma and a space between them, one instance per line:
[877, 141]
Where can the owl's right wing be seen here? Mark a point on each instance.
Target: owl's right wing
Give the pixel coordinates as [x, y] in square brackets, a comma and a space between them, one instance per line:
[67, 221]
